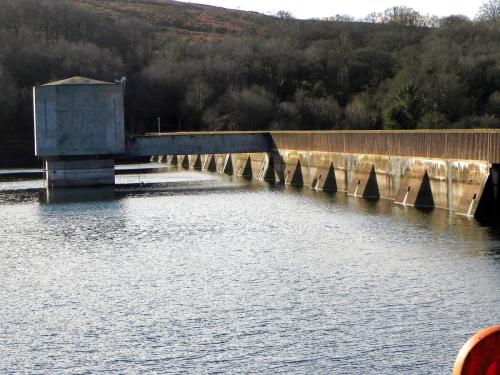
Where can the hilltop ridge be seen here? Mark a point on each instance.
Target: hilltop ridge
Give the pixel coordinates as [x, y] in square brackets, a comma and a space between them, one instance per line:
[195, 21]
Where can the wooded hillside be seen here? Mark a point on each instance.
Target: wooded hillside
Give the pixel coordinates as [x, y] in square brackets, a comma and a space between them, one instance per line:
[205, 68]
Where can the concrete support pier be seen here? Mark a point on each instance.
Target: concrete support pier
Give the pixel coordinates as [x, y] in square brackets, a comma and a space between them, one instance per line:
[67, 173]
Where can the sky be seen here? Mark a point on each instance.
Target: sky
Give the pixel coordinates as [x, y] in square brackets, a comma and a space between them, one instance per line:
[355, 8]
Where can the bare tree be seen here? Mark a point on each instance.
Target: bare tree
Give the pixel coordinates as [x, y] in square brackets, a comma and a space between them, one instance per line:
[489, 10]
[284, 14]
[453, 20]
[340, 18]
[405, 16]
[374, 17]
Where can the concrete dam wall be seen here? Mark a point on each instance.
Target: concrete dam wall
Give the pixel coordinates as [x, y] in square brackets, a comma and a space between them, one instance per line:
[80, 131]
[453, 170]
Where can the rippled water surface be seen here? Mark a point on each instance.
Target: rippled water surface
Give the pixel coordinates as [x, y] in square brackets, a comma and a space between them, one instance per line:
[188, 272]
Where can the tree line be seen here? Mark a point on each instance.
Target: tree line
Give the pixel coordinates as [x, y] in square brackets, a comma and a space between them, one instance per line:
[393, 70]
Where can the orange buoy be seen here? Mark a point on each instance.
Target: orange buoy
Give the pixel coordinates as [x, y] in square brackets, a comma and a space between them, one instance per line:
[480, 355]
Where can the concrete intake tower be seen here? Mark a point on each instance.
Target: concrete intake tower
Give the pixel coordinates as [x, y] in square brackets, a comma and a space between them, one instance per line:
[79, 130]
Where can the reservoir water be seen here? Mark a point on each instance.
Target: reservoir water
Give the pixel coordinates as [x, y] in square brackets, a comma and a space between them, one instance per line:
[188, 272]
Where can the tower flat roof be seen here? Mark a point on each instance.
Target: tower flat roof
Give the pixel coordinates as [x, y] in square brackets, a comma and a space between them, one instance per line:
[78, 81]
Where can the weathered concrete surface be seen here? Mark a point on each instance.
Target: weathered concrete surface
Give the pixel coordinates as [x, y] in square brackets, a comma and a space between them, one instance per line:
[364, 183]
[202, 143]
[78, 118]
[185, 161]
[210, 163]
[250, 165]
[415, 189]
[321, 173]
[254, 165]
[293, 173]
[196, 162]
[453, 185]
[173, 160]
[227, 165]
[217, 163]
[66, 173]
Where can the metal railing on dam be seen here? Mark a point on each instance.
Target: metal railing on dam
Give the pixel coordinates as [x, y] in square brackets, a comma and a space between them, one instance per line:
[430, 144]
[457, 144]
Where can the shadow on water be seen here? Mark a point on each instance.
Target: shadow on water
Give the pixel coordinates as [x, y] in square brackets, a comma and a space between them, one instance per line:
[77, 195]
[110, 193]
[12, 177]
[122, 171]
[19, 196]
[177, 188]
